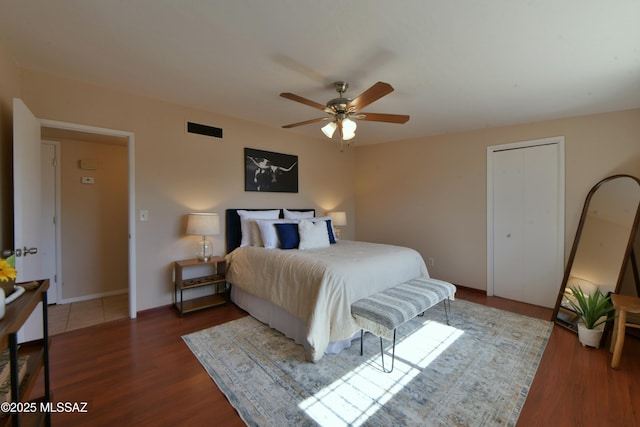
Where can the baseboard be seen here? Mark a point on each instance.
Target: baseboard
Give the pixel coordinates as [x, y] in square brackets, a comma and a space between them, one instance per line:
[474, 290]
[93, 296]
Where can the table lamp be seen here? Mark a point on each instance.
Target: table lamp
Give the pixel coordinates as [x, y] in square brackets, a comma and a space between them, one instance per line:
[203, 224]
[339, 219]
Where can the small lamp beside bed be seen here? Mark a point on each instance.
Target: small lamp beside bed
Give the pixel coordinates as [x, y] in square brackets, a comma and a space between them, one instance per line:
[203, 224]
[339, 219]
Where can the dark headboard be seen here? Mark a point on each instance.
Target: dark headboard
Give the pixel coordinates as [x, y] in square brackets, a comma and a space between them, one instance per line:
[233, 233]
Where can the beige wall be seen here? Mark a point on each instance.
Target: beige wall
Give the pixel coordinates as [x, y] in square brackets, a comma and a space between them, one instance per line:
[9, 88]
[177, 173]
[94, 221]
[430, 193]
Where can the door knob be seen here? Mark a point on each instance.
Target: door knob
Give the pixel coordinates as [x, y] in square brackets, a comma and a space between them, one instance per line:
[26, 251]
[29, 251]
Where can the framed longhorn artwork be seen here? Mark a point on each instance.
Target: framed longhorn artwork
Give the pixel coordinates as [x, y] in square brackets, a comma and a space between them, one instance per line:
[266, 171]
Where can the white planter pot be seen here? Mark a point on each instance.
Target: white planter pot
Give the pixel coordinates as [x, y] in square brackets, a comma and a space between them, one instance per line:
[590, 337]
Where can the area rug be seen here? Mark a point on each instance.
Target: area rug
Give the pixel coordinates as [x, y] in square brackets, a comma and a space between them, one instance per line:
[475, 372]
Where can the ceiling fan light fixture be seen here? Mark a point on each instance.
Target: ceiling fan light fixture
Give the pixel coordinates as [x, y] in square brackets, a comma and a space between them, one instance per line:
[348, 129]
[344, 111]
[329, 129]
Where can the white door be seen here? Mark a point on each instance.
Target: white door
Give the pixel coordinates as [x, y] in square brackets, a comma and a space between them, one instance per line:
[48, 242]
[26, 192]
[527, 235]
[27, 208]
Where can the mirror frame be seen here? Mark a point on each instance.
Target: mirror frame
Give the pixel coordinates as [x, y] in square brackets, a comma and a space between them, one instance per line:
[576, 241]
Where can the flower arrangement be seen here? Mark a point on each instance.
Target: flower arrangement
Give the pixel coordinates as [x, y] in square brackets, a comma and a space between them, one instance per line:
[8, 269]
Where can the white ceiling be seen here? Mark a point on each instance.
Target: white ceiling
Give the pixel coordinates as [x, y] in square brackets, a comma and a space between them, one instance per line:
[455, 65]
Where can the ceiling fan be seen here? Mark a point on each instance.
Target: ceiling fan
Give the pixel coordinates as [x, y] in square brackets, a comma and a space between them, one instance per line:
[342, 111]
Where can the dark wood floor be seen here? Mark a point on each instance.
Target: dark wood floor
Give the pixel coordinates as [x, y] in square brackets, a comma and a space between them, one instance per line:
[140, 372]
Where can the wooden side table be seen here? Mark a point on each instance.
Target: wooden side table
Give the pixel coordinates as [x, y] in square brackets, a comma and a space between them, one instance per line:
[217, 279]
[36, 354]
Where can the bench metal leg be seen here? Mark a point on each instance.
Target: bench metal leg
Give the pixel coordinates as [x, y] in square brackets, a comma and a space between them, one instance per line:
[393, 350]
[393, 353]
[447, 308]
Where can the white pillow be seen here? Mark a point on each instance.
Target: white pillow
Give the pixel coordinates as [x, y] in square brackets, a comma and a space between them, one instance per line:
[332, 237]
[313, 234]
[269, 233]
[297, 214]
[250, 238]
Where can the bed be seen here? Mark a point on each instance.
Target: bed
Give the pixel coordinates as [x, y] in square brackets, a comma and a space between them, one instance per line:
[307, 293]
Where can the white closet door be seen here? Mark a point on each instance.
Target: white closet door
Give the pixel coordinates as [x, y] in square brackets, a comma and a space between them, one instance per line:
[541, 186]
[525, 224]
[507, 224]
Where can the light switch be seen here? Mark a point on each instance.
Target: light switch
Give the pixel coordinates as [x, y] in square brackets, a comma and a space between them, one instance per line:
[143, 215]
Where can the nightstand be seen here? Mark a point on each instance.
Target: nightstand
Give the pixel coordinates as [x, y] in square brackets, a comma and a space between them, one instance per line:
[217, 266]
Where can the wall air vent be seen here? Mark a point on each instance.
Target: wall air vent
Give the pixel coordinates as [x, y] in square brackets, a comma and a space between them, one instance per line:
[204, 130]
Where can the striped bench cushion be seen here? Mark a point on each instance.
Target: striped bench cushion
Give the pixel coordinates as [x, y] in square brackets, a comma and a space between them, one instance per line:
[381, 313]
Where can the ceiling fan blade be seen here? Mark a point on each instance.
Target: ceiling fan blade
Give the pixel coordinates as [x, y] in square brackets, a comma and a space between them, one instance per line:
[306, 122]
[302, 100]
[388, 118]
[370, 95]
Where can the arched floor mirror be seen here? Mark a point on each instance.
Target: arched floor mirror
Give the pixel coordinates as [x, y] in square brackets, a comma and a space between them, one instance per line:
[604, 251]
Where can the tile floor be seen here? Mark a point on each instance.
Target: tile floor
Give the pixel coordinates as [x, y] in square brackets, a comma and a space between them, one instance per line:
[76, 315]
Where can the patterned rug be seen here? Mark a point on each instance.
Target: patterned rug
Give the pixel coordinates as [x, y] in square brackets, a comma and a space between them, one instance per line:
[476, 372]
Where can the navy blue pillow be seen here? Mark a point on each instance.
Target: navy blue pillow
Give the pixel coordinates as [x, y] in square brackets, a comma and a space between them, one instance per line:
[332, 238]
[288, 235]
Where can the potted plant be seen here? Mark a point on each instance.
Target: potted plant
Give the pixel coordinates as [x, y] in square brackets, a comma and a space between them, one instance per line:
[593, 310]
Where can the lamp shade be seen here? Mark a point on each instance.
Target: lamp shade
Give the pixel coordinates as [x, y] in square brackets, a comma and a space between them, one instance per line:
[329, 129]
[338, 218]
[348, 129]
[203, 224]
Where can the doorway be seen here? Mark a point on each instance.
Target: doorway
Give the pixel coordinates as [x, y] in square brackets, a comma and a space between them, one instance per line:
[84, 193]
[525, 220]
[58, 130]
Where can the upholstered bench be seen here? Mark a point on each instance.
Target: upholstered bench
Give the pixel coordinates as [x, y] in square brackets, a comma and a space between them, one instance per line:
[382, 313]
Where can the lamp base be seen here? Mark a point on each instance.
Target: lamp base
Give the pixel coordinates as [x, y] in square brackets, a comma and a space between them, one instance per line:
[204, 250]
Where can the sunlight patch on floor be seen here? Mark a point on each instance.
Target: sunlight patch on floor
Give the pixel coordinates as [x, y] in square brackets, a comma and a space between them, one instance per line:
[355, 397]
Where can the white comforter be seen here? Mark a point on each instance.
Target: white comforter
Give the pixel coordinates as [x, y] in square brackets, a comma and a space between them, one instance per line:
[319, 285]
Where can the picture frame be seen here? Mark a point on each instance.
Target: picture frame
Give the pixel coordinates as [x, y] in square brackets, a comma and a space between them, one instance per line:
[266, 171]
